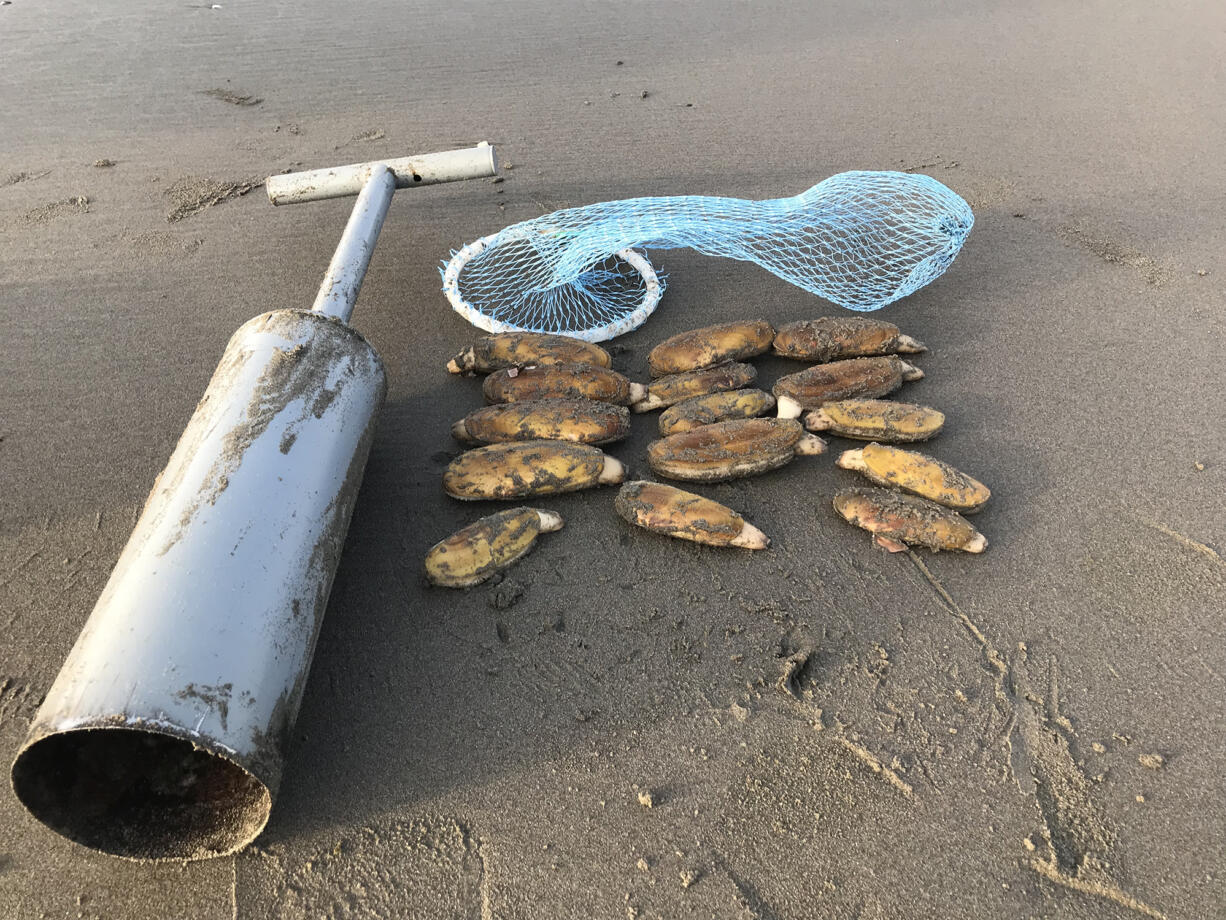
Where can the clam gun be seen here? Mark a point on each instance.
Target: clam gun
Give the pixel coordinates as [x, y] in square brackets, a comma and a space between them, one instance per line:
[165, 733]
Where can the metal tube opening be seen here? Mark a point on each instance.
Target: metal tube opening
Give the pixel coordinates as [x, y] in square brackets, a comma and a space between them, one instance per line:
[140, 794]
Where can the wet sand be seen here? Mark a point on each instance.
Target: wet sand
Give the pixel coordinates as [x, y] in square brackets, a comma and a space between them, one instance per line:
[627, 725]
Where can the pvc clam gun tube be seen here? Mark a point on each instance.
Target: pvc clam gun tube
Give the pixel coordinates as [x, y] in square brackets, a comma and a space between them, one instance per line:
[165, 733]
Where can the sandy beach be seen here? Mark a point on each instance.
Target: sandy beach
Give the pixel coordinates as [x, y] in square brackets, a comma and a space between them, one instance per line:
[626, 725]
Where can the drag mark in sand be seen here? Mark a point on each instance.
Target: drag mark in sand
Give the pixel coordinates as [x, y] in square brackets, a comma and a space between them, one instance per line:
[14, 178]
[1044, 768]
[15, 610]
[795, 660]
[1077, 839]
[938, 162]
[191, 195]
[225, 95]
[1098, 888]
[874, 763]
[747, 896]
[990, 653]
[1117, 254]
[18, 700]
[483, 886]
[17, 568]
[1195, 545]
[371, 134]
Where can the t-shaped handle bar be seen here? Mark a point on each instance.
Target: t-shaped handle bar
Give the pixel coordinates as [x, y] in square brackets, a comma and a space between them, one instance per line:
[374, 184]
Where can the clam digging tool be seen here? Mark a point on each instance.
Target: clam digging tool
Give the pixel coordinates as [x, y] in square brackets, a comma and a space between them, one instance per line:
[164, 734]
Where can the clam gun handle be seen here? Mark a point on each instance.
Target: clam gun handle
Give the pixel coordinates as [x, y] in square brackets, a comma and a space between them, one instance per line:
[165, 733]
[374, 184]
[476, 162]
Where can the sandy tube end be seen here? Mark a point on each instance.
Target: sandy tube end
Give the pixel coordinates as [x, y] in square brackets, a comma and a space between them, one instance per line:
[751, 538]
[462, 363]
[493, 153]
[614, 471]
[977, 544]
[910, 346]
[459, 431]
[638, 392]
[911, 372]
[141, 793]
[851, 459]
[810, 445]
[549, 520]
[647, 404]
[786, 407]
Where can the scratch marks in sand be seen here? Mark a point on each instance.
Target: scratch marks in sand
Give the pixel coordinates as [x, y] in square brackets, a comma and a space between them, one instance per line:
[15, 178]
[371, 134]
[58, 567]
[16, 570]
[1195, 545]
[1118, 254]
[874, 763]
[487, 904]
[232, 98]
[709, 884]
[1038, 740]
[191, 194]
[747, 897]
[1098, 888]
[18, 700]
[1077, 840]
[990, 654]
[1044, 767]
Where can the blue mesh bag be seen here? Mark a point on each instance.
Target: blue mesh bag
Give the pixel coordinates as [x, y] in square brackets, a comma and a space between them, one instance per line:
[859, 239]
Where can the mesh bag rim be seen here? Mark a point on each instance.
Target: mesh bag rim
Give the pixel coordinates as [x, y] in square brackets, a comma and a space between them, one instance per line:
[653, 290]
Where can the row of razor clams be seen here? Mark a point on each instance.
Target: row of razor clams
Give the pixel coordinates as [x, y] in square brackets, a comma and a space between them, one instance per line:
[553, 400]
